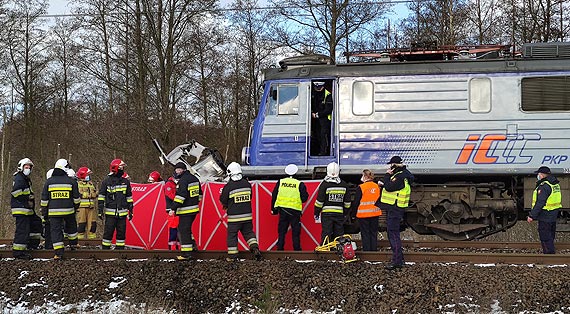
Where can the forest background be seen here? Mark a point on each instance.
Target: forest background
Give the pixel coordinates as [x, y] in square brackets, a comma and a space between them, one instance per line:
[101, 80]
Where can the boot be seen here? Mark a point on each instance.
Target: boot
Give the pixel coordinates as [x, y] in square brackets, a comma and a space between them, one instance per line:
[256, 253]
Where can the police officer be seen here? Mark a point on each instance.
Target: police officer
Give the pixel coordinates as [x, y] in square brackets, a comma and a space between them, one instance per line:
[60, 199]
[321, 110]
[394, 201]
[186, 205]
[116, 203]
[332, 204]
[365, 209]
[236, 200]
[22, 204]
[287, 200]
[546, 202]
[86, 214]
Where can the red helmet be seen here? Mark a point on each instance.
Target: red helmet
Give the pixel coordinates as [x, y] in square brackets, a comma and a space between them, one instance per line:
[83, 172]
[154, 177]
[116, 165]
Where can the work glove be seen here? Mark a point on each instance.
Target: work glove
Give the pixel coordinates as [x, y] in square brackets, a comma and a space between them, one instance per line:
[274, 211]
[100, 214]
[44, 211]
[130, 215]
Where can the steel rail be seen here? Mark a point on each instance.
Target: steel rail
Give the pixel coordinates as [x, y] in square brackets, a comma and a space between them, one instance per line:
[409, 244]
[418, 257]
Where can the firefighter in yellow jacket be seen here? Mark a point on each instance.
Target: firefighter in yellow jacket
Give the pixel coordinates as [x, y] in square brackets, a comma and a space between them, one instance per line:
[87, 212]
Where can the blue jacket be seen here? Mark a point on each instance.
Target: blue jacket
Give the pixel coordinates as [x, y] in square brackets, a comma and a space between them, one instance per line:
[537, 213]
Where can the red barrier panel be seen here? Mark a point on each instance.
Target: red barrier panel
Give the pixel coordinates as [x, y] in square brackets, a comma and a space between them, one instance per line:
[148, 228]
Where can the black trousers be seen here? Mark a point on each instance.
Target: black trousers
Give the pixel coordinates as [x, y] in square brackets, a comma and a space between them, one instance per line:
[112, 224]
[332, 226]
[325, 140]
[547, 233]
[185, 234]
[21, 235]
[369, 233]
[59, 225]
[288, 217]
[246, 229]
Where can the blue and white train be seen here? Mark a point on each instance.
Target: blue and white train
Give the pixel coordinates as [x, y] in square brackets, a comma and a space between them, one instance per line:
[471, 131]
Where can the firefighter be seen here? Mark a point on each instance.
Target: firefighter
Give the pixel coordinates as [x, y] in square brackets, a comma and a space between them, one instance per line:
[236, 200]
[365, 210]
[394, 201]
[87, 213]
[60, 199]
[116, 203]
[154, 177]
[287, 200]
[332, 204]
[22, 204]
[546, 202]
[321, 111]
[186, 205]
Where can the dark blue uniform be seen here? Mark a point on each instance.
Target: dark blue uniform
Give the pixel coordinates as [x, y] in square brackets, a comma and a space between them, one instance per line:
[546, 218]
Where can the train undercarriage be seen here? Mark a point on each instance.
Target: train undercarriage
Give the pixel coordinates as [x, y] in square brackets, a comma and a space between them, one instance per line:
[465, 211]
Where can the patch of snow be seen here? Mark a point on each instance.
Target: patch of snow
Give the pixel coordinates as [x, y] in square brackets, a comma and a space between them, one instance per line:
[33, 284]
[138, 260]
[484, 265]
[314, 289]
[23, 274]
[117, 282]
[305, 261]
[379, 288]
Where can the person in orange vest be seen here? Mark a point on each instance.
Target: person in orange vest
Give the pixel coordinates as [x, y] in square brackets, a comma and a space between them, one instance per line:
[366, 211]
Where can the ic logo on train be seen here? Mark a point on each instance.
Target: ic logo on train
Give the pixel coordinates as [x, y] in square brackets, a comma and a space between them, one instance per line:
[503, 149]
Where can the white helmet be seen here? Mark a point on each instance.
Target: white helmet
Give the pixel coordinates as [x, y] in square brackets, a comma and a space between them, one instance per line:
[71, 173]
[62, 164]
[49, 173]
[234, 168]
[291, 169]
[333, 170]
[23, 162]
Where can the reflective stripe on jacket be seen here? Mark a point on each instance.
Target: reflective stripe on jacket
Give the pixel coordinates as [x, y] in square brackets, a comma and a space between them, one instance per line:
[370, 193]
[554, 200]
[401, 197]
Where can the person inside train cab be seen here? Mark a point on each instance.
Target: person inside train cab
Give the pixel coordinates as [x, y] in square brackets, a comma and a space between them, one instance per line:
[321, 115]
[546, 202]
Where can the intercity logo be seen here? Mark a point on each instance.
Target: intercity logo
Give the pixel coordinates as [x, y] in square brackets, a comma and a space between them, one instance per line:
[496, 149]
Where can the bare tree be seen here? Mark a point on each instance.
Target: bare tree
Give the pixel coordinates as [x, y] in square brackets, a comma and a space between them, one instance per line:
[321, 25]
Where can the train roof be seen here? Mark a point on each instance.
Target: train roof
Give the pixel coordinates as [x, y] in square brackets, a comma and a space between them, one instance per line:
[419, 68]
[536, 57]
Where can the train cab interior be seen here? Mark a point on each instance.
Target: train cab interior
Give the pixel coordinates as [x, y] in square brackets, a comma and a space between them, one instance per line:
[321, 126]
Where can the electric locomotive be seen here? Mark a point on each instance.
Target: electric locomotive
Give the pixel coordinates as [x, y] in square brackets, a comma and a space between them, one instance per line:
[471, 130]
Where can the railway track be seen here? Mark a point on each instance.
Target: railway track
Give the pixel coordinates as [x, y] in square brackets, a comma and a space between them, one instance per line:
[407, 244]
[418, 257]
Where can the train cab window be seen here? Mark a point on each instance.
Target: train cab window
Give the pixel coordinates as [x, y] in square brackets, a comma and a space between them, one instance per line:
[545, 93]
[480, 95]
[362, 98]
[283, 100]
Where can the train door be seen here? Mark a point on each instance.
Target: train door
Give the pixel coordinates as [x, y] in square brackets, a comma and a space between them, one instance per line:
[322, 139]
[284, 136]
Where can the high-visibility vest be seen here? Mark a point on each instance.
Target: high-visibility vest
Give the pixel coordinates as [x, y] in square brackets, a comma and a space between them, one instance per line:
[401, 197]
[288, 195]
[554, 201]
[370, 194]
[327, 94]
